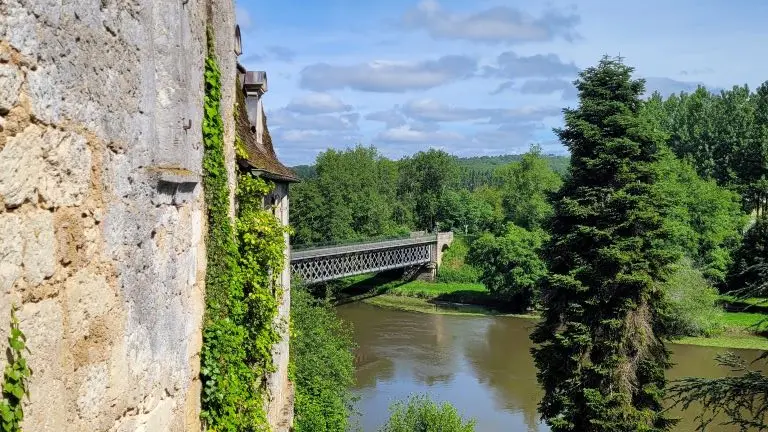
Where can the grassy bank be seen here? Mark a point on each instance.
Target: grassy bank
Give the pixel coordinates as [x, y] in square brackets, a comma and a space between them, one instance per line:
[742, 330]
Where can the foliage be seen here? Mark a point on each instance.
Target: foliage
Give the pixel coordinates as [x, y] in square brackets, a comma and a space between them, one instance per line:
[261, 245]
[424, 178]
[705, 219]
[599, 359]
[464, 212]
[240, 305]
[322, 365]
[353, 196]
[421, 414]
[692, 308]
[749, 272]
[14, 379]
[724, 135]
[510, 264]
[526, 186]
[454, 267]
[741, 398]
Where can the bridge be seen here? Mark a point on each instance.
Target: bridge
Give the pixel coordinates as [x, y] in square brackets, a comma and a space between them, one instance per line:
[325, 263]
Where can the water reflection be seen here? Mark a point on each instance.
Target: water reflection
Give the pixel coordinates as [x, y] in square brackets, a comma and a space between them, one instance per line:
[509, 373]
[480, 364]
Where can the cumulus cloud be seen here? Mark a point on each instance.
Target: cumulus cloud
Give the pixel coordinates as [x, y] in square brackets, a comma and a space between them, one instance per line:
[391, 118]
[317, 103]
[511, 66]
[388, 76]
[290, 121]
[408, 134]
[430, 110]
[501, 24]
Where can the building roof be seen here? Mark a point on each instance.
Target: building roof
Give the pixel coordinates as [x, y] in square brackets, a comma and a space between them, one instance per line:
[262, 157]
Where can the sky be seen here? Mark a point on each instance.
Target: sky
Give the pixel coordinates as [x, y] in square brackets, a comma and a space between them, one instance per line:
[479, 77]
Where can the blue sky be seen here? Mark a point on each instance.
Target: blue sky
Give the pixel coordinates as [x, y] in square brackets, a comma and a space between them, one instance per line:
[475, 78]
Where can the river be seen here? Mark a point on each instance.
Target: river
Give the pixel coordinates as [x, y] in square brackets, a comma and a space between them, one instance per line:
[480, 364]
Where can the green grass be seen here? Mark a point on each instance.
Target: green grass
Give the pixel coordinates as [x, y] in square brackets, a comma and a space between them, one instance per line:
[745, 321]
[728, 340]
[425, 289]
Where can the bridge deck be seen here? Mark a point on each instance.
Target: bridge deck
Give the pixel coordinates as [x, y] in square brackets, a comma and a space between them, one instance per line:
[334, 262]
[361, 247]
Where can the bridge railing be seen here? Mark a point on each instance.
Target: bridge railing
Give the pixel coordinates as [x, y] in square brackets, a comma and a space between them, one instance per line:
[361, 247]
[323, 245]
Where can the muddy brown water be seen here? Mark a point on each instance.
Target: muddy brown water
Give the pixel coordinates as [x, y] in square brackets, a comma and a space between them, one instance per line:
[480, 364]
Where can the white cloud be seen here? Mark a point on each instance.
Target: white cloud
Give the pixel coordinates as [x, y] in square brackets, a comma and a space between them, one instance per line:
[288, 120]
[388, 76]
[406, 134]
[317, 103]
[494, 25]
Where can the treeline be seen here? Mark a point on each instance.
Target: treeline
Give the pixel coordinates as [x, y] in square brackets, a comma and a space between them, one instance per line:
[358, 194]
[724, 136]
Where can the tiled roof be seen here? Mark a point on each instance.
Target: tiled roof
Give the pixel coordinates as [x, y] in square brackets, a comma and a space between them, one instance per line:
[260, 157]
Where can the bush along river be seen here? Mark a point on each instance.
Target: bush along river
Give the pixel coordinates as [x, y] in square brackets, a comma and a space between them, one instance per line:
[481, 364]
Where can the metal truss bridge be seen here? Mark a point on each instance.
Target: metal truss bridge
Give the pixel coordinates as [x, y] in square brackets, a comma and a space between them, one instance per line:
[334, 262]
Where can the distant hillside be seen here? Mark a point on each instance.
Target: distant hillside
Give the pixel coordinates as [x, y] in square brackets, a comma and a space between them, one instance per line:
[475, 167]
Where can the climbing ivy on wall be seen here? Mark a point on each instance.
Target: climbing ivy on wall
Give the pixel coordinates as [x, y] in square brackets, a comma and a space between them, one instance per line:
[14, 380]
[244, 262]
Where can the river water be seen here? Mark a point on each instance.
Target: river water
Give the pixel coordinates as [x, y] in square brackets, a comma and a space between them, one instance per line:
[480, 364]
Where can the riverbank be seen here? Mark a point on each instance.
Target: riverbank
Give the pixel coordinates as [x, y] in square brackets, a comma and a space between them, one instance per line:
[740, 328]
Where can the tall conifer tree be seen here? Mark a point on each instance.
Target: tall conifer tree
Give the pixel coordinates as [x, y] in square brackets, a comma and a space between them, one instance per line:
[599, 351]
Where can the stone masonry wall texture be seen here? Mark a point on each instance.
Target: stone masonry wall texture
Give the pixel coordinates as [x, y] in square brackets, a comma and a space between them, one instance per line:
[101, 207]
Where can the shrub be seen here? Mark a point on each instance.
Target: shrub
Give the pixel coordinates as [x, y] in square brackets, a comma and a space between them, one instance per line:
[421, 414]
[691, 308]
[454, 267]
[510, 264]
[322, 365]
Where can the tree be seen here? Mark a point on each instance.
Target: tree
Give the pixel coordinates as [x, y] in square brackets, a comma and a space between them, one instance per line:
[423, 179]
[352, 196]
[322, 365]
[510, 264]
[749, 271]
[705, 220]
[740, 398]
[462, 211]
[525, 187]
[599, 357]
[421, 414]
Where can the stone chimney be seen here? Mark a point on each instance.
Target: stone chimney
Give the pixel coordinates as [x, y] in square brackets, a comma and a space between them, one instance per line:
[255, 85]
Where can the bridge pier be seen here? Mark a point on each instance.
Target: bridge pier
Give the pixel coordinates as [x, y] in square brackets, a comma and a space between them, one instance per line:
[427, 272]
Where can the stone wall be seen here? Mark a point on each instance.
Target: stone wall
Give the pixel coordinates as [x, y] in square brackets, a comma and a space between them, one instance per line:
[101, 208]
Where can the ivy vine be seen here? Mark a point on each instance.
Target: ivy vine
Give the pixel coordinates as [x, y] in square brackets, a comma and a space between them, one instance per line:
[244, 261]
[15, 380]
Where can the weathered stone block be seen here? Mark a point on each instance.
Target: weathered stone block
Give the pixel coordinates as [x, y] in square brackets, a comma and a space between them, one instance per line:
[89, 297]
[10, 84]
[11, 250]
[67, 172]
[39, 246]
[20, 162]
[42, 324]
[53, 163]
